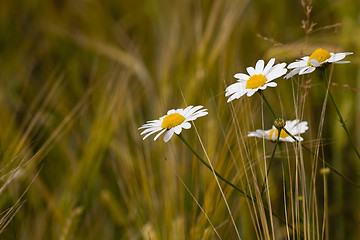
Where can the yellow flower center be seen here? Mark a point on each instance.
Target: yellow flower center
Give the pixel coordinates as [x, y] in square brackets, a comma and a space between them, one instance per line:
[283, 134]
[256, 81]
[320, 55]
[172, 120]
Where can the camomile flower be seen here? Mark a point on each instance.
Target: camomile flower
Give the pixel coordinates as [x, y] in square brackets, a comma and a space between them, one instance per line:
[317, 59]
[173, 122]
[295, 127]
[259, 78]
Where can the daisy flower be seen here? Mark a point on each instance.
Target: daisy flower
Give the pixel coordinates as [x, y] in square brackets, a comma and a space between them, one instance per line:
[173, 122]
[259, 78]
[318, 58]
[295, 127]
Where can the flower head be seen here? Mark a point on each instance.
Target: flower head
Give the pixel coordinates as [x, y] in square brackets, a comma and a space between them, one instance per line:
[295, 127]
[173, 122]
[259, 78]
[318, 58]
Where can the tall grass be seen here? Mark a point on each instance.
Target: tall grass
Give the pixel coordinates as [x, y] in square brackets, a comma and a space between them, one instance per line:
[79, 77]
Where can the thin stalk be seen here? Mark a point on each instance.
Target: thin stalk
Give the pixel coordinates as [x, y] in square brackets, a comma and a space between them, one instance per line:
[213, 170]
[325, 172]
[229, 183]
[271, 160]
[326, 210]
[286, 175]
[268, 104]
[308, 149]
[323, 160]
[338, 113]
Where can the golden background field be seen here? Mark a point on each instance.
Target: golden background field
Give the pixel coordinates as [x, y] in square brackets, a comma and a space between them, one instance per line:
[79, 77]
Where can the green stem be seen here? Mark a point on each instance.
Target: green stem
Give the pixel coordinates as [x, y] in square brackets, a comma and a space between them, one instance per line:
[323, 160]
[271, 160]
[338, 113]
[213, 170]
[308, 149]
[267, 103]
[286, 168]
[229, 183]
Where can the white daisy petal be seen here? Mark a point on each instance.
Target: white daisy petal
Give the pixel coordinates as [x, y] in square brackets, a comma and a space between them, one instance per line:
[150, 129]
[276, 73]
[291, 124]
[191, 111]
[144, 126]
[301, 127]
[301, 70]
[187, 109]
[292, 73]
[197, 115]
[231, 98]
[152, 121]
[232, 88]
[337, 57]
[258, 133]
[267, 132]
[288, 139]
[171, 111]
[178, 129]
[254, 134]
[306, 70]
[168, 134]
[241, 76]
[251, 92]
[297, 64]
[315, 63]
[238, 92]
[150, 133]
[236, 95]
[271, 84]
[269, 66]
[309, 70]
[186, 125]
[305, 58]
[251, 71]
[263, 87]
[159, 134]
[200, 111]
[278, 66]
[259, 68]
[148, 125]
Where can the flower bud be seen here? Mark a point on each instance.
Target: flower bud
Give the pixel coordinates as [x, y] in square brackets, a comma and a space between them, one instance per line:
[279, 123]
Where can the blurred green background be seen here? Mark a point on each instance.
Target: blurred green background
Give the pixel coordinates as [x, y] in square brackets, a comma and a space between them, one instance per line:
[78, 77]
